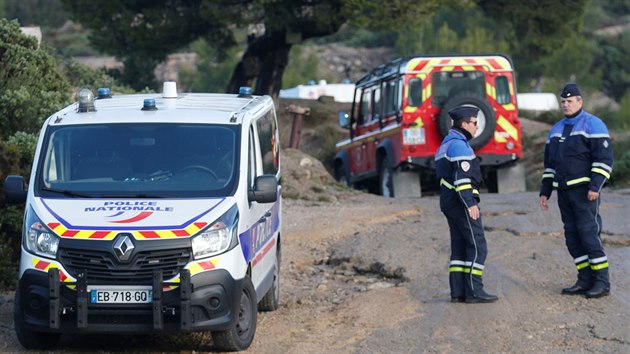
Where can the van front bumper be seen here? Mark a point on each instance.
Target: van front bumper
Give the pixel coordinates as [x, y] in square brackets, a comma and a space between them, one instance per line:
[209, 301]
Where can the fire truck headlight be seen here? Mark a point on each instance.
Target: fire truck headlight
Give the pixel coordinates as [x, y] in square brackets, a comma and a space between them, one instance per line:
[509, 145]
[40, 240]
[219, 237]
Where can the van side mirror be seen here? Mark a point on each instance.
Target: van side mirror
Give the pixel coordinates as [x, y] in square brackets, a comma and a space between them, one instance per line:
[344, 120]
[14, 190]
[265, 189]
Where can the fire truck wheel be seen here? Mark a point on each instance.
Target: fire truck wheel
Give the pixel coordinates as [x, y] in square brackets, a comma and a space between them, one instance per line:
[386, 178]
[240, 336]
[341, 176]
[486, 118]
[31, 339]
[271, 300]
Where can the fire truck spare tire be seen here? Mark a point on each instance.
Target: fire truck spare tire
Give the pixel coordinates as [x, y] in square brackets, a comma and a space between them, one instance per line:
[486, 118]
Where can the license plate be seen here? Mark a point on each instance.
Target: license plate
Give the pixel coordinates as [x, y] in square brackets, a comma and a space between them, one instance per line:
[413, 136]
[121, 295]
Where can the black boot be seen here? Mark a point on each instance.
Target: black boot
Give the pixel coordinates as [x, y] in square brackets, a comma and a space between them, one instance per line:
[583, 283]
[481, 296]
[576, 289]
[598, 290]
[601, 285]
[475, 292]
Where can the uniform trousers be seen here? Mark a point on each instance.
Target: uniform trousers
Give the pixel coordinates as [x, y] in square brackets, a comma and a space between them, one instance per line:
[582, 227]
[468, 252]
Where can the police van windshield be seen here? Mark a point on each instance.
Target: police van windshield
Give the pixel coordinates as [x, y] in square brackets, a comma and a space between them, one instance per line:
[139, 160]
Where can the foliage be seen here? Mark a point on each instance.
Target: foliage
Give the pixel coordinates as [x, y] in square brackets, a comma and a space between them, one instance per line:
[622, 119]
[211, 74]
[572, 62]
[143, 33]
[26, 144]
[79, 75]
[302, 67]
[46, 13]
[620, 177]
[615, 64]
[31, 86]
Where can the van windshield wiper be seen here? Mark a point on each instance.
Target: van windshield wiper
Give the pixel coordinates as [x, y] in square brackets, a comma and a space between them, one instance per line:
[67, 192]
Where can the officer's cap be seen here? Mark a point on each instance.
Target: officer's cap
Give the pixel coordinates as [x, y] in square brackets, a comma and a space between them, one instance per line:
[463, 112]
[570, 90]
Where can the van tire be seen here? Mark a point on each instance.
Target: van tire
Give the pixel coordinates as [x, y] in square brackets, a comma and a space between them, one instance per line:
[27, 338]
[241, 335]
[386, 178]
[341, 176]
[271, 300]
[466, 99]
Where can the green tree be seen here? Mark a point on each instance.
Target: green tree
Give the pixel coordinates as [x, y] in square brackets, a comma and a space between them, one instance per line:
[46, 13]
[31, 86]
[614, 64]
[143, 33]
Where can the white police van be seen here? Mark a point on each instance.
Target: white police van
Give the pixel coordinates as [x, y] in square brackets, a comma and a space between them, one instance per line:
[151, 213]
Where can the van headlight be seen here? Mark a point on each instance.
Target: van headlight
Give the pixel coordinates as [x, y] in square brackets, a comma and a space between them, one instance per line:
[220, 236]
[39, 239]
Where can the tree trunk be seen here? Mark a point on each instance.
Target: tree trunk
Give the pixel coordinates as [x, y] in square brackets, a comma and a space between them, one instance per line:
[263, 63]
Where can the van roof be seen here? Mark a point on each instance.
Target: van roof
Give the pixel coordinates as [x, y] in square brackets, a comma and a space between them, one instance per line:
[423, 64]
[212, 108]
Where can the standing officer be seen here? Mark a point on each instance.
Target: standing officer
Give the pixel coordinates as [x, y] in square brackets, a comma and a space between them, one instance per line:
[460, 177]
[578, 162]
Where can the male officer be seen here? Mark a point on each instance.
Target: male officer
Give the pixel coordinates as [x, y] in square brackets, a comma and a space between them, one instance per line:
[578, 162]
[460, 177]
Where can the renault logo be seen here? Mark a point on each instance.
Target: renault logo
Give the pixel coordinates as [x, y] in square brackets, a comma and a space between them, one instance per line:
[123, 247]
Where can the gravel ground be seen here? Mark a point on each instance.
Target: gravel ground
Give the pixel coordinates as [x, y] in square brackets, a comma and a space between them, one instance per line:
[366, 274]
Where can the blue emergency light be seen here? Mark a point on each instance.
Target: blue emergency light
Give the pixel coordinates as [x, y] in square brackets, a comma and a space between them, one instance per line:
[149, 105]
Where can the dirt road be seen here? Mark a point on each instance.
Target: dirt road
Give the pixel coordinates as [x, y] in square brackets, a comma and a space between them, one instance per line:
[365, 274]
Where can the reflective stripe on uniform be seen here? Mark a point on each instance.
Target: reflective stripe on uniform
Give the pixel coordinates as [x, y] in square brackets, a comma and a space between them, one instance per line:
[446, 184]
[463, 187]
[601, 172]
[581, 262]
[578, 180]
[599, 263]
[582, 265]
[599, 266]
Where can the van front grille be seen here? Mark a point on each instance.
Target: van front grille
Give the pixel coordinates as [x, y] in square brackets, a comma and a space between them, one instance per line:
[103, 267]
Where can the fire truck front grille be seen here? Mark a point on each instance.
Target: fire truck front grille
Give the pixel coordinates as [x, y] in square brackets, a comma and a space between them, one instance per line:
[103, 267]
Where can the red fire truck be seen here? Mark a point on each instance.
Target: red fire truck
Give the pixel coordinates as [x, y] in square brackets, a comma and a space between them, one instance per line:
[400, 115]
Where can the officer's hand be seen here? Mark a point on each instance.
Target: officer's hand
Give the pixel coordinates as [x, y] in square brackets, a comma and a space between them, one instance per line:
[474, 212]
[592, 195]
[543, 203]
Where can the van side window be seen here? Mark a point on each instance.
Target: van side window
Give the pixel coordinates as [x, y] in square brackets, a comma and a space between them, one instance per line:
[266, 127]
[252, 173]
[414, 98]
[391, 98]
[377, 106]
[364, 110]
[503, 90]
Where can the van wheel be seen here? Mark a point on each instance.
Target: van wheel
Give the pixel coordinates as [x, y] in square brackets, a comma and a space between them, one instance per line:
[271, 300]
[341, 177]
[386, 178]
[27, 338]
[486, 118]
[241, 334]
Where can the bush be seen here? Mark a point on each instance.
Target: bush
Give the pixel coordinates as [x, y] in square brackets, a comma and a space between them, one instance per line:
[31, 86]
[621, 168]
